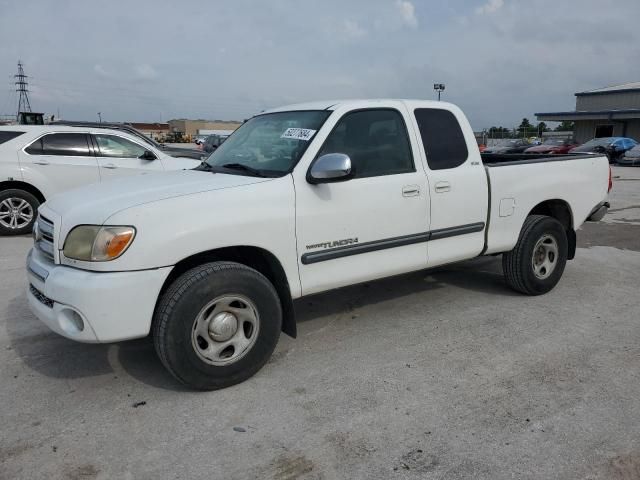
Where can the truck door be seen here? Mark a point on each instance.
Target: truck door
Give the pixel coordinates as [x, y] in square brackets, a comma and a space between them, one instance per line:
[372, 225]
[458, 185]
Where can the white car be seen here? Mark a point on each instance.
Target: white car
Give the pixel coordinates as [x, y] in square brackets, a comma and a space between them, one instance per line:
[37, 162]
[299, 200]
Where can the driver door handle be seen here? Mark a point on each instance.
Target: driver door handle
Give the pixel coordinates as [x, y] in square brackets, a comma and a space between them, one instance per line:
[110, 166]
[442, 187]
[41, 162]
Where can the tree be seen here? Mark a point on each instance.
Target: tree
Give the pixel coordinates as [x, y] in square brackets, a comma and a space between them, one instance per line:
[542, 127]
[525, 127]
[499, 132]
[565, 126]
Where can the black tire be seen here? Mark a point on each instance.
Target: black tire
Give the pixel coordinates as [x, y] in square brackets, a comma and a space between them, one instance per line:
[181, 305]
[13, 196]
[518, 263]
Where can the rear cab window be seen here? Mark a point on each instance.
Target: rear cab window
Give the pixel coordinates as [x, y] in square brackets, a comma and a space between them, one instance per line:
[442, 138]
[5, 135]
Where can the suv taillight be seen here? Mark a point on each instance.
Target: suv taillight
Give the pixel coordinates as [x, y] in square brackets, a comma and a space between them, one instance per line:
[610, 180]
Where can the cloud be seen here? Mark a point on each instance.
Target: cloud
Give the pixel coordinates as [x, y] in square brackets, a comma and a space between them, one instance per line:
[407, 12]
[101, 71]
[353, 29]
[145, 71]
[498, 71]
[490, 7]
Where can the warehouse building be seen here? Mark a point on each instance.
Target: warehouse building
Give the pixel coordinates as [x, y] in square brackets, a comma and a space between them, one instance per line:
[153, 130]
[191, 128]
[605, 112]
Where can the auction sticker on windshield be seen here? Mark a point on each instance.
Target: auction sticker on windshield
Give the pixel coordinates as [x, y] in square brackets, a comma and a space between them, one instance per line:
[298, 133]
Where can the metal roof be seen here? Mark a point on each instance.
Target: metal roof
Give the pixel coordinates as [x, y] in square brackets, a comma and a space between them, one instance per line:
[625, 87]
[624, 114]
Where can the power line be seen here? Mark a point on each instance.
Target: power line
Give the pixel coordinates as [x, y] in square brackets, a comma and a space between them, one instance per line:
[23, 91]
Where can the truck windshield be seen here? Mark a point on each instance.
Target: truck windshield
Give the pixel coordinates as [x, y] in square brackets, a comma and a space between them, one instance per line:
[268, 145]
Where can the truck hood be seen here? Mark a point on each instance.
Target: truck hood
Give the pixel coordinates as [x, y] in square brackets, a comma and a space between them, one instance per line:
[94, 204]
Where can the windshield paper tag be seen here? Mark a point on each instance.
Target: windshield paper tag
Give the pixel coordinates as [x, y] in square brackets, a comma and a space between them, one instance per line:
[298, 133]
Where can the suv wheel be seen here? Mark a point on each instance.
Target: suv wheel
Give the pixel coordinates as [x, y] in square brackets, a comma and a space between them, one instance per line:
[18, 210]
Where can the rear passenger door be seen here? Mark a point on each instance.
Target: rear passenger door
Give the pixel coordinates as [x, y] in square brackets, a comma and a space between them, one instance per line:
[457, 182]
[119, 157]
[59, 160]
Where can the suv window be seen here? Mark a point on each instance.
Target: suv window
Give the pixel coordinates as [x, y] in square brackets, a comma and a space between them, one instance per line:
[67, 144]
[114, 146]
[6, 136]
[442, 138]
[375, 140]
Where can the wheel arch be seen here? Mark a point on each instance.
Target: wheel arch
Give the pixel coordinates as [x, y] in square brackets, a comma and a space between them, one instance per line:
[257, 258]
[561, 211]
[20, 185]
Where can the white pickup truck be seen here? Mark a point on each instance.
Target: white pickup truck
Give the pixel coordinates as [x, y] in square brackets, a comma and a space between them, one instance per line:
[299, 200]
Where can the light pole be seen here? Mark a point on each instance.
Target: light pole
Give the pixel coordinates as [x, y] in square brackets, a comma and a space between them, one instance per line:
[100, 116]
[438, 87]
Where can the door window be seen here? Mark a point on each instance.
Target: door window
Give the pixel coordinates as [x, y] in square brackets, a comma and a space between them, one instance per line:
[65, 144]
[442, 138]
[114, 146]
[375, 140]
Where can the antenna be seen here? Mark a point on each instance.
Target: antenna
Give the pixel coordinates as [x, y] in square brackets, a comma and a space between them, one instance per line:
[23, 91]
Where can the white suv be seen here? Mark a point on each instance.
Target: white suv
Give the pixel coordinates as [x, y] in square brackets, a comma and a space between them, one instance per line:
[37, 162]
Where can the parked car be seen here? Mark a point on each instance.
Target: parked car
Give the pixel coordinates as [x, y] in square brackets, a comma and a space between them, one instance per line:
[212, 142]
[169, 150]
[613, 147]
[630, 157]
[553, 146]
[508, 145]
[199, 139]
[300, 200]
[37, 162]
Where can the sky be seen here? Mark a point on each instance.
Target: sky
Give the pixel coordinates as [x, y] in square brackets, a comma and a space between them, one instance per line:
[138, 60]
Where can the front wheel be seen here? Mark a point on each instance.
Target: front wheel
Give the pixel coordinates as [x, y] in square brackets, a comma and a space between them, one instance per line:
[217, 325]
[537, 262]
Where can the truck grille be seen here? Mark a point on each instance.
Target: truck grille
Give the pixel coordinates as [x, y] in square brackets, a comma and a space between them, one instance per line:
[43, 236]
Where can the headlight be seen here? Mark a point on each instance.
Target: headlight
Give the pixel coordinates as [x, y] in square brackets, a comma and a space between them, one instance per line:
[93, 243]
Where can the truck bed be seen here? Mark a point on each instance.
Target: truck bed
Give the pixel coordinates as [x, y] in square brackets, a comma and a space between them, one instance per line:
[519, 182]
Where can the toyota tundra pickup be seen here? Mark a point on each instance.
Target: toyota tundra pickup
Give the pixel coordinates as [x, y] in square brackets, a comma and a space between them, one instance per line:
[299, 200]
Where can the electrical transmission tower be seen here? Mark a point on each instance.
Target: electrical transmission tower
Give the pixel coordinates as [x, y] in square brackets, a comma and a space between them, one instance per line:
[21, 88]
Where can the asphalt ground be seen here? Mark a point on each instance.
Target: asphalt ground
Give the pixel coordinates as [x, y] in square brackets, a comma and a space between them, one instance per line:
[431, 375]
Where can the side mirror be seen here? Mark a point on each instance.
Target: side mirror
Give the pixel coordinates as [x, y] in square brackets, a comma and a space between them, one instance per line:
[332, 167]
[148, 155]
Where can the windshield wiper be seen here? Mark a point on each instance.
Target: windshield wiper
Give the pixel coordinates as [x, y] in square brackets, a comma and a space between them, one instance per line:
[244, 168]
[204, 166]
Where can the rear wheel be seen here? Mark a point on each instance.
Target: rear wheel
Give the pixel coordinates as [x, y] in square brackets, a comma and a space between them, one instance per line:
[217, 325]
[17, 212]
[537, 262]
